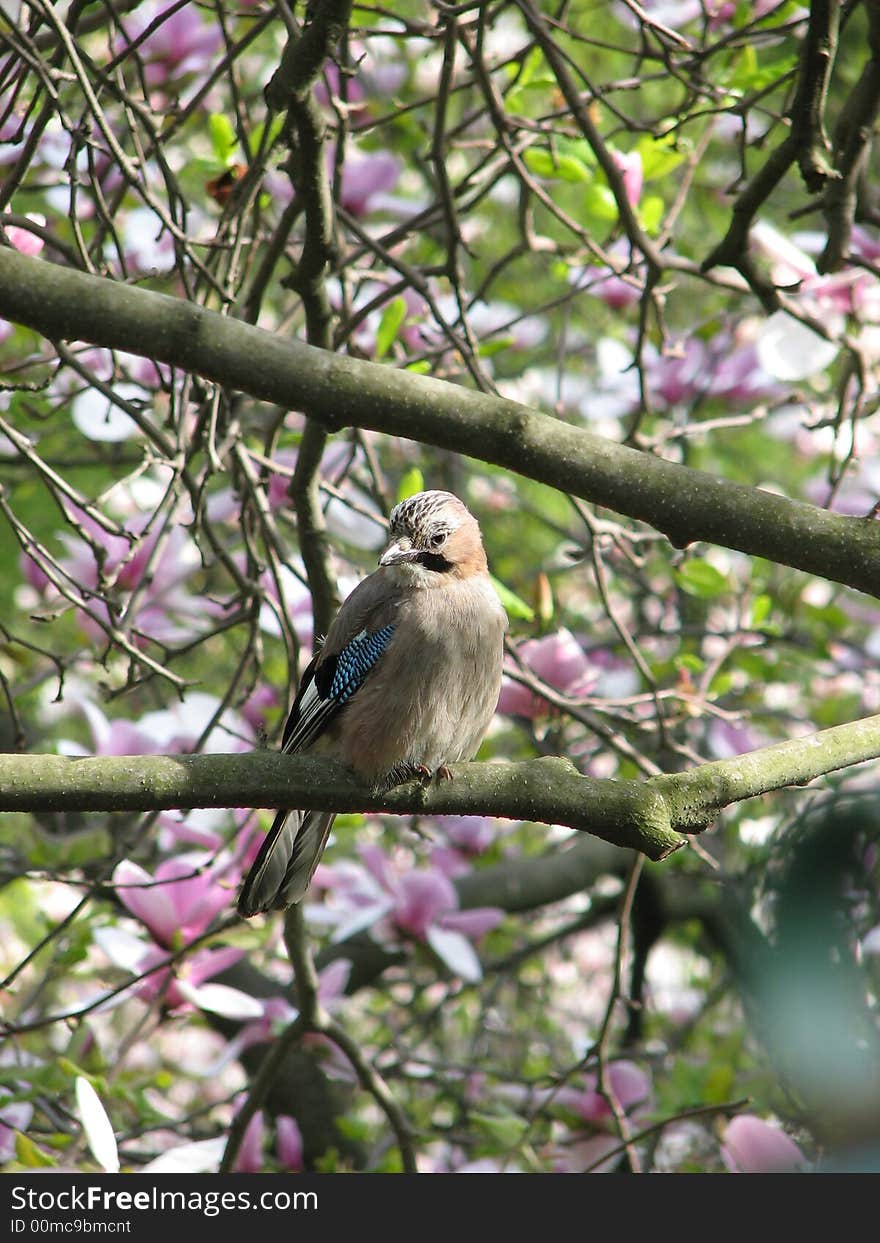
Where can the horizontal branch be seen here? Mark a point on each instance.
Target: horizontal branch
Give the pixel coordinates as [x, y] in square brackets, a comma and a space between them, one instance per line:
[339, 391]
[549, 790]
[648, 816]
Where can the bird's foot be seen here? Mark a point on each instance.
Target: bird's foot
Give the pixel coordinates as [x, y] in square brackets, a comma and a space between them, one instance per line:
[425, 774]
[414, 772]
[421, 772]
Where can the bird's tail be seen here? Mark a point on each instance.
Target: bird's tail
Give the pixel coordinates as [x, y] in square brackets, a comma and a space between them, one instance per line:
[283, 869]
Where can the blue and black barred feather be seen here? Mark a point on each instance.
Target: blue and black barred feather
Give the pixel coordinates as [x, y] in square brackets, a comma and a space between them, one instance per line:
[342, 674]
[329, 684]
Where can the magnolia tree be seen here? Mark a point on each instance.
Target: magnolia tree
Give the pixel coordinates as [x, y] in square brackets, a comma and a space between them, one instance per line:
[611, 273]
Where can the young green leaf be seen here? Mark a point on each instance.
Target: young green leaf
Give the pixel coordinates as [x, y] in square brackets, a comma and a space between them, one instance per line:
[515, 605]
[390, 325]
[700, 578]
[223, 139]
[411, 483]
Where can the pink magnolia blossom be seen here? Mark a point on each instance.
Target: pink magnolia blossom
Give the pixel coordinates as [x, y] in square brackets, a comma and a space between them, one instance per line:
[176, 905]
[753, 1146]
[424, 899]
[194, 720]
[250, 1155]
[604, 282]
[864, 245]
[165, 608]
[22, 239]
[588, 1155]
[451, 1159]
[181, 43]
[289, 1144]
[200, 828]
[469, 834]
[627, 1083]
[721, 368]
[261, 702]
[629, 165]
[175, 986]
[277, 1013]
[419, 904]
[366, 176]
[789, 348]
[678, 13]
[557, 659]
[329, 87]
[729, 738]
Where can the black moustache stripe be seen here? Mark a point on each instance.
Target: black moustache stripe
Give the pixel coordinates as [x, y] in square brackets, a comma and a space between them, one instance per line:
[432, 561]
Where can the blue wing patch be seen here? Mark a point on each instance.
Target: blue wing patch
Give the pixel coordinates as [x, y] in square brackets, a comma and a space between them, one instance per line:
[328, 686]
[355, 661]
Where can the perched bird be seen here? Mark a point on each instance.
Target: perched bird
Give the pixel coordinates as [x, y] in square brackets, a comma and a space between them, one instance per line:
[406, 681]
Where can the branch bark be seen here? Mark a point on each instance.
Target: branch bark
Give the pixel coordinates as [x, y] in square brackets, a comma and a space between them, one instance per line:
[647, 816]
[685, 504]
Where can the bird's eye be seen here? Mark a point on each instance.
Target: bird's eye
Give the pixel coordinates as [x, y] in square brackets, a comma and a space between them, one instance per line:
[438, 539]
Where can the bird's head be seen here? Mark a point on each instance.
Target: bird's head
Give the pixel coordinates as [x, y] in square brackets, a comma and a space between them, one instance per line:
[433, 535]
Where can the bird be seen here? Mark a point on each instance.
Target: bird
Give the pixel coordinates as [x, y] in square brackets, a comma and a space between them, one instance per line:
[406, 681]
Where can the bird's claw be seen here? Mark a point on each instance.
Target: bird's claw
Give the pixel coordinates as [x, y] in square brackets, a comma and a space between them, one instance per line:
[425, 774]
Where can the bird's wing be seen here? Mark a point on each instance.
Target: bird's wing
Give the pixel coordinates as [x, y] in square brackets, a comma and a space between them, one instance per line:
[289, 854]
[329, 683]
[360, 633]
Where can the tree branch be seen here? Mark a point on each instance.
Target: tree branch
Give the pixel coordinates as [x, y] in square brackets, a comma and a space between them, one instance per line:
[647, 816]
[685, 504]
[806, 142]
[852, 148]
[550, 790]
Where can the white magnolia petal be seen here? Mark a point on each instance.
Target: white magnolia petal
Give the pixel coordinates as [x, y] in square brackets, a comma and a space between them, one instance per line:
[221, 999]
[457, 952]
[789, 350]
[122, 948]
[96, 1126]
[361, 919]
[202, 1157]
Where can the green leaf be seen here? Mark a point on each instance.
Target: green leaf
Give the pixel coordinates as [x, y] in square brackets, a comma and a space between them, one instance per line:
[390, 325]
[761, 606]
[516, 607]
[651, 210]
[578, 149]
[495, 346]
[532, 76]
[751, 75]
[566, 167]
[411, 483]
[29, 1154]
[721, 684]
[700, 578]
[600, 204]
[658, 157]
[527, 72]
[223, 139]
[255, 138]
[506, 1129]
[690, 661]
[421, 367]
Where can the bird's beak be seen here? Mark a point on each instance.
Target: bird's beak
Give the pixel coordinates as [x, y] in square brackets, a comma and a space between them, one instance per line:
[400, 551]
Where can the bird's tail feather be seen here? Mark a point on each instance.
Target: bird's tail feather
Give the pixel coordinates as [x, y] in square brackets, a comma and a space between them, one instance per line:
[286, 862]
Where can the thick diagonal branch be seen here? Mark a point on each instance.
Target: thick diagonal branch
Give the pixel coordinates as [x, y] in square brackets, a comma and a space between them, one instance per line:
[685, 504]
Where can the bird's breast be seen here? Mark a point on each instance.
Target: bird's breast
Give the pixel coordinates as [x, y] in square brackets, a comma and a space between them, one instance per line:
[431, 697]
